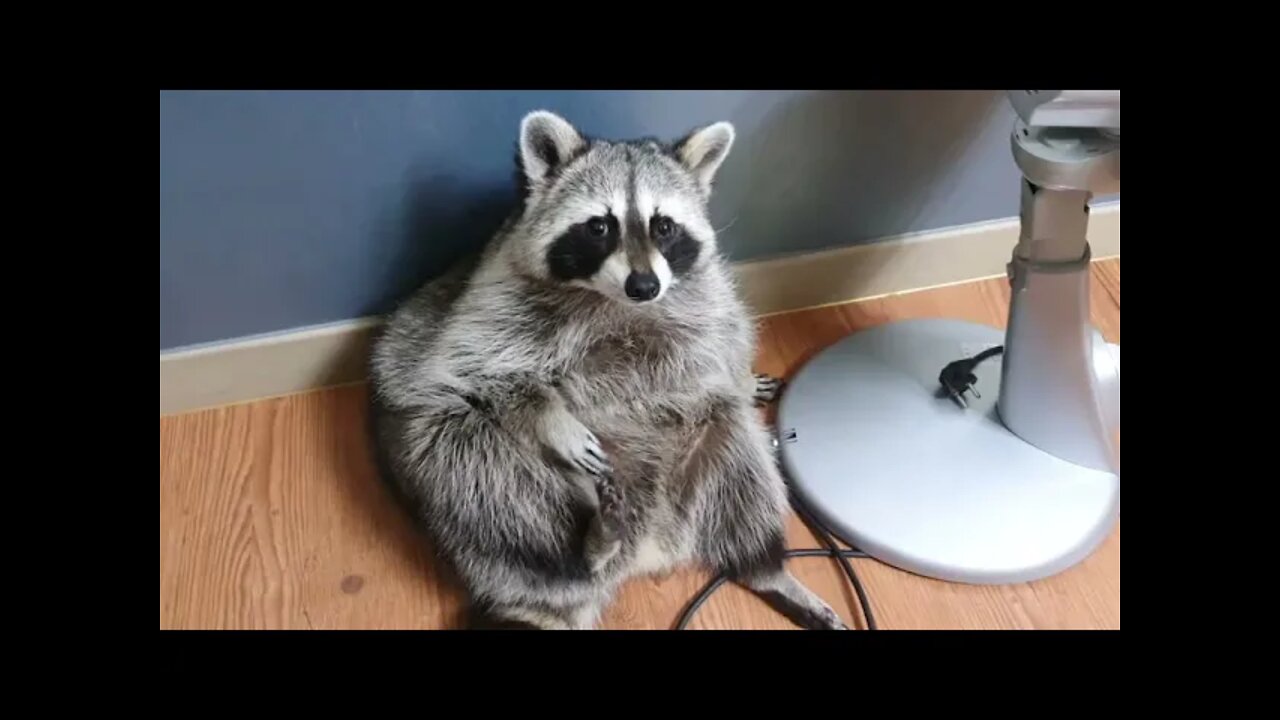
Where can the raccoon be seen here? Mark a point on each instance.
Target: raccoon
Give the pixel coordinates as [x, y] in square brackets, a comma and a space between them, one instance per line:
[576, 406]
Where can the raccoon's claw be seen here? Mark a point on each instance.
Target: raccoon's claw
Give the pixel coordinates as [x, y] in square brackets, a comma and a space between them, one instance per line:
[592, 459]
[766, 389]
[575, 444]
[592, 465]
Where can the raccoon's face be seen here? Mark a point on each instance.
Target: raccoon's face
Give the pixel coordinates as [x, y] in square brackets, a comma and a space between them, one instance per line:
[626, 219]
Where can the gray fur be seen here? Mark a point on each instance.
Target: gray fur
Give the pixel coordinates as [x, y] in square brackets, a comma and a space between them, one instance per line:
[554, 436]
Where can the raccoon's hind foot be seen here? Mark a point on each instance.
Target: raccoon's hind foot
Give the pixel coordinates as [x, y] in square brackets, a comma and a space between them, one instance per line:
[604, 536]
[766, 389]
[795, 601]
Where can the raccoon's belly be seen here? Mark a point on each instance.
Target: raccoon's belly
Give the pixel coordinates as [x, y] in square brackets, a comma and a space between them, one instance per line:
[648, 449]
[644, 453]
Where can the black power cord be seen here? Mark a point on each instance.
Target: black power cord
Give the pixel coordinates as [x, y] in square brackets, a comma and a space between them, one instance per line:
[957, 378]
[818, 528]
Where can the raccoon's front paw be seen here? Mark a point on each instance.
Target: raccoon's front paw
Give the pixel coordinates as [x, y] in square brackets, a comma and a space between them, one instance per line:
[613, 508]
[604, 538]
[573, 443]
[767, 388]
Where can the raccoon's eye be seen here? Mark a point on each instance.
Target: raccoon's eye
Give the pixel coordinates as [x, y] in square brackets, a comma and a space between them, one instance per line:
[597, 227]
[663, 227]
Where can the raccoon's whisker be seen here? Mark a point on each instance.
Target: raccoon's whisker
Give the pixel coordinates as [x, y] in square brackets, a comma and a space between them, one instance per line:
[726, 227]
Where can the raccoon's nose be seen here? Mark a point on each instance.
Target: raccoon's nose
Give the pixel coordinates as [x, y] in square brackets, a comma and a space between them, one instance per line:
[642, 286]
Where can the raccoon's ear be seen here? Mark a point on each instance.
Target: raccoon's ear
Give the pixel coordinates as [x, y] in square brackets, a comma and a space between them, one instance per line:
[704, 150]
[546, 142]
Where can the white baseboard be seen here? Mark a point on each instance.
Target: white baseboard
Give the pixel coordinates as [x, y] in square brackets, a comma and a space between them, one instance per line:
[264, 366]
[334, 354]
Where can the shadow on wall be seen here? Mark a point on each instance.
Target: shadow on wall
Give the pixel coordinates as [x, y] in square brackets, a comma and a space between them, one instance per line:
[840, 168]
[441, 221]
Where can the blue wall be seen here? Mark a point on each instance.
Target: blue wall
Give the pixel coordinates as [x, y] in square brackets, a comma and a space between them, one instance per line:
[285, 209]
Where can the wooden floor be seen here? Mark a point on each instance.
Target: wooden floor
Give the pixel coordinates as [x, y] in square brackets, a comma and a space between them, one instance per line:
[271, 517]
